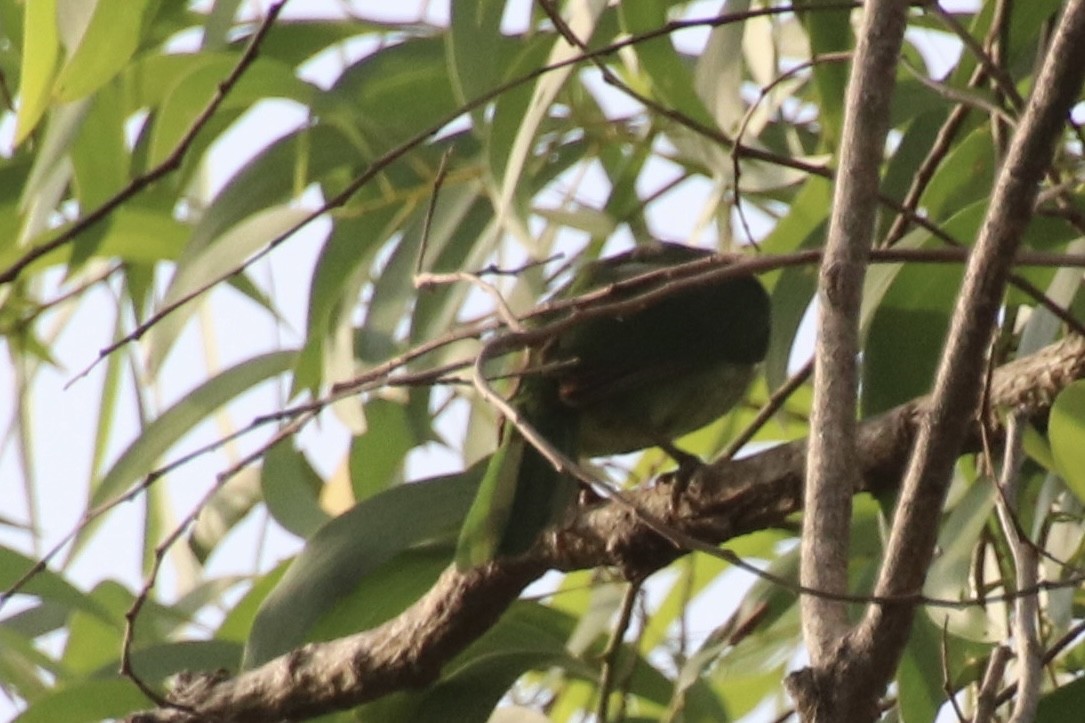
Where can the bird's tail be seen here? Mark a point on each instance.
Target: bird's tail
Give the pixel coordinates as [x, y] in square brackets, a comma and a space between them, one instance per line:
[520, 495]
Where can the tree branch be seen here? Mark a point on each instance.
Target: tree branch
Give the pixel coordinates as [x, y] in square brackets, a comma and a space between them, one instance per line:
[729, 499]
[831, 468]
[865, 662]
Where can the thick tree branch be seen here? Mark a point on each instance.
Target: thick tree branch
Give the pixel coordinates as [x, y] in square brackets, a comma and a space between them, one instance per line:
[864, 663]
[731, 498]
[831, 468]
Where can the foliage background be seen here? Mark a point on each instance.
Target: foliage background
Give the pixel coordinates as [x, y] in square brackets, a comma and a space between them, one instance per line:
[99, 94]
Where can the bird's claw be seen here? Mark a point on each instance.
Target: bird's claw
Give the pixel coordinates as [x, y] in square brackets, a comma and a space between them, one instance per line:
[688, 466]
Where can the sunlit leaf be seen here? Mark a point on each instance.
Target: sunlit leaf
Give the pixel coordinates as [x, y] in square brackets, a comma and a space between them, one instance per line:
[108, 42]
[1066, 429]
[41, 46]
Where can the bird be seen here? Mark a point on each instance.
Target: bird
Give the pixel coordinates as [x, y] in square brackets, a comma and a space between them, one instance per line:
[613, 384]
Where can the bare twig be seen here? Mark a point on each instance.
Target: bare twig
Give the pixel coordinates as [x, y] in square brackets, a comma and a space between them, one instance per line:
[1026, 608]
[132, 614]
[614, 648]
[992, 678]
[1064, 642]
[947, 674]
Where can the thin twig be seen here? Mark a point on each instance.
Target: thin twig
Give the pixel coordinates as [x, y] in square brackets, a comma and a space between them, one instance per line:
[986, 699]
[1027, 608]
[947, 674]
[614, 648]
[777, 400]
[438, 181]
[1064, 642]
[132, 614]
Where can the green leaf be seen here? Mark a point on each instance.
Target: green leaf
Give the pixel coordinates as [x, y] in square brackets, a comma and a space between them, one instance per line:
[1038, 448]
[199, 266]
[278, 173]
[105, 48]
[383, 594]
[297, 40]
[392, 94]
[906, 335]
[915, 144]
[239, 619]
[93, 641]
[528, 636]
[100, 157]
[338, 274]
[376, 457]
[829, 32]
[159, 662]
[192, 92]
[793, 289]
[161, 434]
[46, 585]
[510, 121]
[25, 669]
[149, 79]
[489, 517]
[41, 50]
[948, 576]
[352, 546]
[719, 74]
[135, 234]
[1066, 429]
[919, 683]
[291, 490]
[1063, 705]
[87, 700]
[473, 43]
[229, 505]
[964, 177]
[670, 77]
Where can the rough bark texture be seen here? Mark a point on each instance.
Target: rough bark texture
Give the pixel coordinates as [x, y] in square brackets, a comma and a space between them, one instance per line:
[730, 498]
[846, 683]
[831, 467]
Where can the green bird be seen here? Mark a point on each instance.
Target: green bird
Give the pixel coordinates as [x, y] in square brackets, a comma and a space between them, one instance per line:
[611, 385]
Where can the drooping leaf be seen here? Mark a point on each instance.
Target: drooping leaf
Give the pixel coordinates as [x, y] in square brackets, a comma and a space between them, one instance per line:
[352, 546]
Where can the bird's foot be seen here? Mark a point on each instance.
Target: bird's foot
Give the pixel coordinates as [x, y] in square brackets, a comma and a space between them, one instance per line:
[688, 465]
